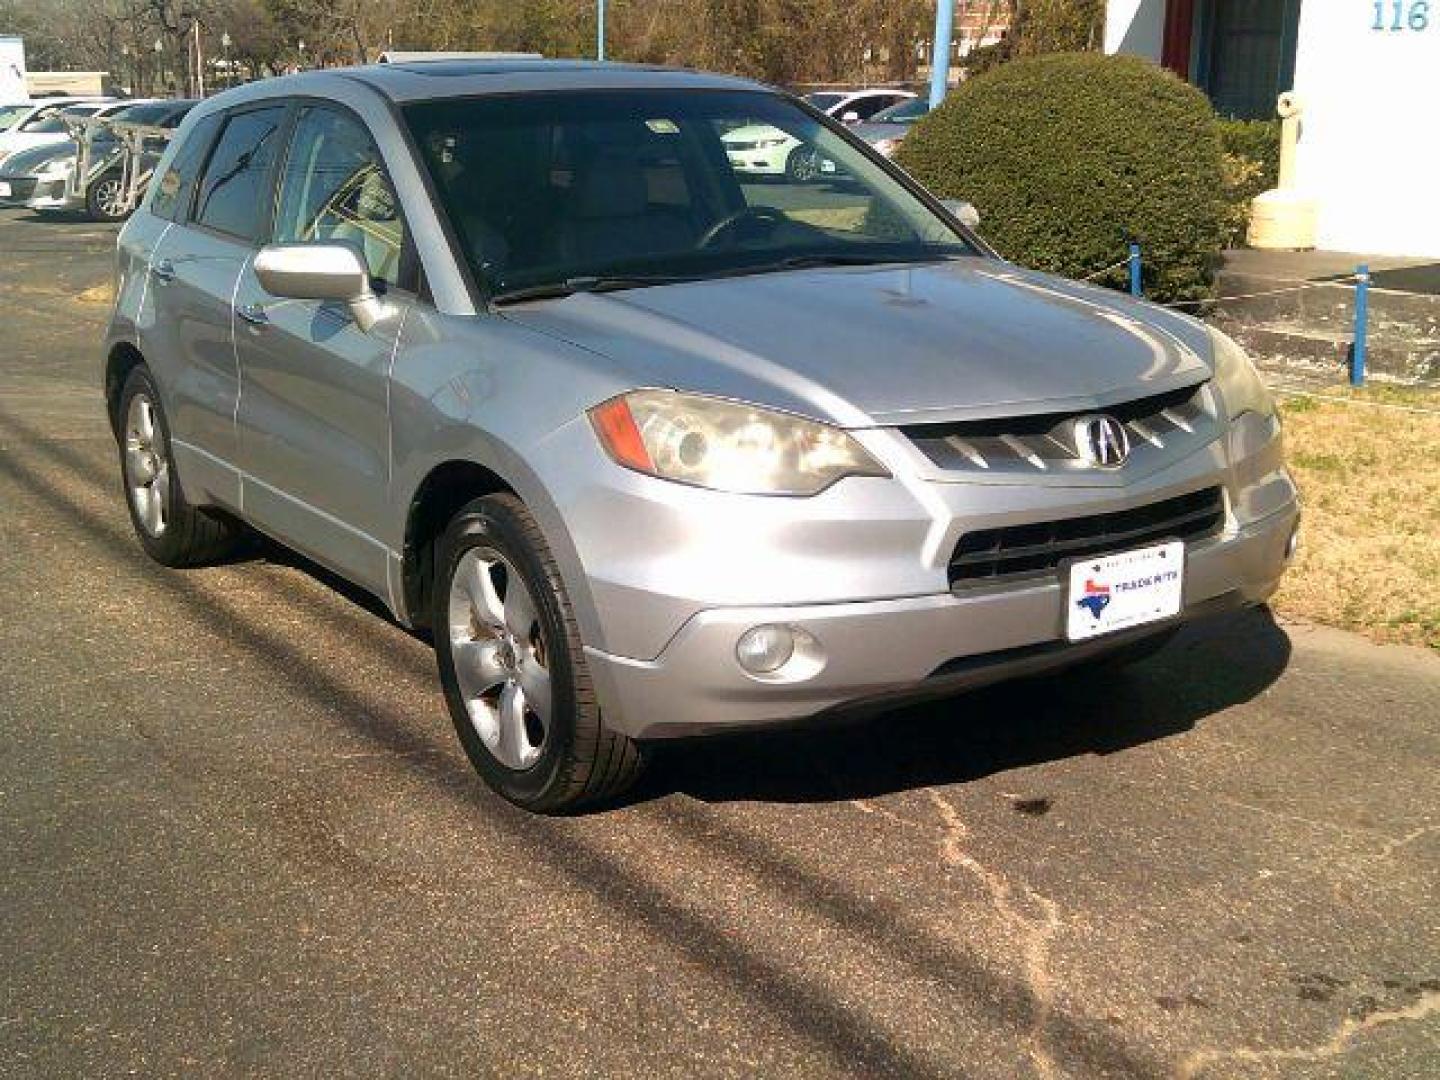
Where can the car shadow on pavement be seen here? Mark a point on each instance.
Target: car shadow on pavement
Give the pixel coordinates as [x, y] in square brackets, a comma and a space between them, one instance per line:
[1210, 666]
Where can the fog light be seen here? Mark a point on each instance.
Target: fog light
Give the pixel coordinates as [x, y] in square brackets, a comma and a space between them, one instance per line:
[763, 649]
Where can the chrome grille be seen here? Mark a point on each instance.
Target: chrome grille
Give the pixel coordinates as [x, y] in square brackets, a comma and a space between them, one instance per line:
[1165, 425]
[1038, 549]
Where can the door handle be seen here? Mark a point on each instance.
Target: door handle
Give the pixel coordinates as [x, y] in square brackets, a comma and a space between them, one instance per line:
[253, 314]
[164, 271]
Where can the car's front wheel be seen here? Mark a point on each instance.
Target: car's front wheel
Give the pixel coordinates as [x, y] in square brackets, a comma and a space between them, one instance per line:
[512, 667]
[803, 164]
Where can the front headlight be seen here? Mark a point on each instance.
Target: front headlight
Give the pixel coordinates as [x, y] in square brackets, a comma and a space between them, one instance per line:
[726, 445]
[1235, 377]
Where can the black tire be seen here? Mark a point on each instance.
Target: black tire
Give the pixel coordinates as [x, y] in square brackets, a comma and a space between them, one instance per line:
[581, 762]
[191, 536]
[95, 197]
[803, 165]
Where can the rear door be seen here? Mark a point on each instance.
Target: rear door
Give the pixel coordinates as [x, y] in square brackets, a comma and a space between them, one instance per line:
[314, 428]
[193, 274]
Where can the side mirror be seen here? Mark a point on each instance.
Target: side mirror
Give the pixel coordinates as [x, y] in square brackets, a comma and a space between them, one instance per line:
[320, 272]
[851, 117]
[965, 211]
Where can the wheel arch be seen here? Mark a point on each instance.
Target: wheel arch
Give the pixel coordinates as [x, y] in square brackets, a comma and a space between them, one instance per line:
[123, 358]
[447, 486]
[438, 497]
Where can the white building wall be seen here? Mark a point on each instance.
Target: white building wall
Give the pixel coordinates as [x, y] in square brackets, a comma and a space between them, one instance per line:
[1369, 150]
[12, 71]
[1135, 26]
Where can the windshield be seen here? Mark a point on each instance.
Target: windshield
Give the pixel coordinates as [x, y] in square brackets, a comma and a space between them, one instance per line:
[153, 112]
[823, 101]
[907, 112]
[544, 189]
[10, 115]
[54, 123]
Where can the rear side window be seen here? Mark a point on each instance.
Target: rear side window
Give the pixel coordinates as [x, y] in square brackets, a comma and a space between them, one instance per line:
[172, 192]
[235, 189]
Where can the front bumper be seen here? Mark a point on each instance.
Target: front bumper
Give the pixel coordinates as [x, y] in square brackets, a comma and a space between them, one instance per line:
[889, 651]
[35, 193]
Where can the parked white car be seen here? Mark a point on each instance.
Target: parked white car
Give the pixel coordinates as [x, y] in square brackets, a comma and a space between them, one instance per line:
[42, 124]
[856, 106]
[762, 150]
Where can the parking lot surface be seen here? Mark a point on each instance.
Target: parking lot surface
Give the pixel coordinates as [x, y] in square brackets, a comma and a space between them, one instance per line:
[237, 834]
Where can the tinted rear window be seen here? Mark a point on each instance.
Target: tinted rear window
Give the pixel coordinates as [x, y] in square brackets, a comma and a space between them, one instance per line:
[236, 189]
[172, 193]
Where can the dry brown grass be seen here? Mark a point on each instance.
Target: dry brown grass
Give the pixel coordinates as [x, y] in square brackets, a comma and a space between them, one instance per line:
[1370, 482]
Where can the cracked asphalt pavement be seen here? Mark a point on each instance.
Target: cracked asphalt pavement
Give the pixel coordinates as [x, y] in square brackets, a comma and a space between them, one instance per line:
[237, 835]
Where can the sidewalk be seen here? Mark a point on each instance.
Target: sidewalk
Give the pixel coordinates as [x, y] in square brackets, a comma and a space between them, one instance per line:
[1294, 311]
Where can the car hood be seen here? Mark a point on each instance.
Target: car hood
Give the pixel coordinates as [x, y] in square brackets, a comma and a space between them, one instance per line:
[870, 346]
[25, 162]
[12, 141]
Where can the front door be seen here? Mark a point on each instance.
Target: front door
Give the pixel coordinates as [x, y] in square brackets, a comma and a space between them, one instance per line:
[313, 422]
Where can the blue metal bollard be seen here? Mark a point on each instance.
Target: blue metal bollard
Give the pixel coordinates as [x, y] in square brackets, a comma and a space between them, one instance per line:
[1135, 289]
[1362, 317]
[940, 51]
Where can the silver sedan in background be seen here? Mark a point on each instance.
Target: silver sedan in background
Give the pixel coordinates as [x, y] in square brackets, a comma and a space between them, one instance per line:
[42, 178]
[887, 128]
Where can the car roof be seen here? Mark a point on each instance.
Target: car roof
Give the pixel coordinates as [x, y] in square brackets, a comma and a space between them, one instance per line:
[427, 80]
[888, 91]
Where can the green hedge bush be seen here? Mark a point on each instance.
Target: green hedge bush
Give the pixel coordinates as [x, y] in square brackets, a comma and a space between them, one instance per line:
[1252, 165]
[1071, 156]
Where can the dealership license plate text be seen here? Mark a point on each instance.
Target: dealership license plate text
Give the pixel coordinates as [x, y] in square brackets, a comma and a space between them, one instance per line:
[1115, 592]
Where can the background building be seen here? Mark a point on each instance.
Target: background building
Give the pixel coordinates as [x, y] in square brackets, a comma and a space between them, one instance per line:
[1368, 72]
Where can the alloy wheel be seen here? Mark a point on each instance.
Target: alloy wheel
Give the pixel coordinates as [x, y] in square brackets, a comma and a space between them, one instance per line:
[501, 657]
[110, 198]
[147, 471]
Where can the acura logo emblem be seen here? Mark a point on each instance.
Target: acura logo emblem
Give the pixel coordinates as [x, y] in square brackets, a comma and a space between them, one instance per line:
[1102, 441]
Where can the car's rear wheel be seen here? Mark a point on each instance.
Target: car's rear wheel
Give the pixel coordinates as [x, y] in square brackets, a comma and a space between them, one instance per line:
[171, 531]
[105, 198]
[512, 667]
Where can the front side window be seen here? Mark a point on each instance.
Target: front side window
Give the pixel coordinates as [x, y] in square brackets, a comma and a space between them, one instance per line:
[235, 190]
[334, 189]
[906, 112]
[866, 107]
[548, 188]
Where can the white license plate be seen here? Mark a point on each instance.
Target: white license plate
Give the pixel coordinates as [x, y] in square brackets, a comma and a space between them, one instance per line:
[4, 189]
[1116, 592]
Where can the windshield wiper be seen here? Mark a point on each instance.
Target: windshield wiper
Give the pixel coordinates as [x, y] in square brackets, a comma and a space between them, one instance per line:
[571, 285]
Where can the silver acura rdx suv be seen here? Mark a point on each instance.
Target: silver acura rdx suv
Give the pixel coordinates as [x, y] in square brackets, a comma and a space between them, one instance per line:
[650, 447]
